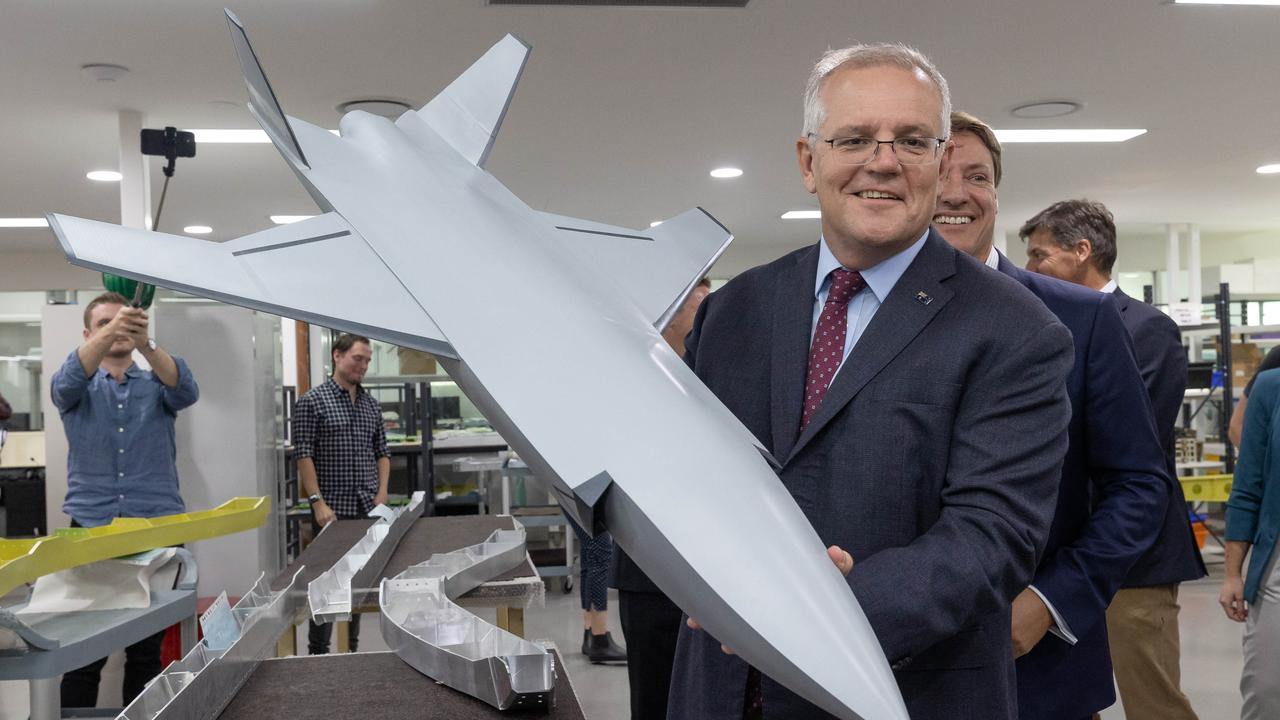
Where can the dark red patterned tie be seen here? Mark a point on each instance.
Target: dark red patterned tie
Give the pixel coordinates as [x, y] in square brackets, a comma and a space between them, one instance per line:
[827, 349]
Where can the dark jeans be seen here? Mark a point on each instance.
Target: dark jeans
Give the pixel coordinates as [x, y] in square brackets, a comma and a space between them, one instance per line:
[318, 635]
[650, 625]
[141, 663]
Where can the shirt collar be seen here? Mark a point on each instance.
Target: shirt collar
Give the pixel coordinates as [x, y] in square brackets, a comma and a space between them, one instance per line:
[993, 259]
[339, 390]
[880, 277]
[1110, 287]
[133, 371]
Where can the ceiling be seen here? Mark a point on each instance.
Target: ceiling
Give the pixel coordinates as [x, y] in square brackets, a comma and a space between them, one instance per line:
[622, 111]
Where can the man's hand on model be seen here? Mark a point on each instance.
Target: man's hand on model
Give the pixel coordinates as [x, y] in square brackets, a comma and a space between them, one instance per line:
[841, 559]
[1031, 620]
[324, 514]
[380, 499]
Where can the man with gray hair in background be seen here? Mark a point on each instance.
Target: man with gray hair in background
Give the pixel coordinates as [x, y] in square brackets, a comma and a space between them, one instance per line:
[1075, 240]
[914, 401]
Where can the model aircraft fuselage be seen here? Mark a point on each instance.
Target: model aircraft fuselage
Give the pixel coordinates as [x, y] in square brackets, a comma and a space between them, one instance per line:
[551, 326]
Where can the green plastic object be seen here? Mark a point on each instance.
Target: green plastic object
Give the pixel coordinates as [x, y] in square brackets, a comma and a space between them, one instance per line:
[127, 287]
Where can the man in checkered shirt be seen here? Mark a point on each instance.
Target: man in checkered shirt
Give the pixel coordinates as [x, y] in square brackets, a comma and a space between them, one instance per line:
[340, 445]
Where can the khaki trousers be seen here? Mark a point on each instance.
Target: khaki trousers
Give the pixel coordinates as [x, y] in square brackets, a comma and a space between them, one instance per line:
[1260, 681]
[1142, 626]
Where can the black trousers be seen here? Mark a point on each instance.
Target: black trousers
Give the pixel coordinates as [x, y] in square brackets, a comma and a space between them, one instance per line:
[318, 635]
[650, 626]
[141, 663]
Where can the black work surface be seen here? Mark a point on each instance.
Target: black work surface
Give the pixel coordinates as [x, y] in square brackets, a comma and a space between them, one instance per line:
[428, 536]
[370, 685]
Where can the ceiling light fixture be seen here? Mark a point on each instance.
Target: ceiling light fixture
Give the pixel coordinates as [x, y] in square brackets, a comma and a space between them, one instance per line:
[655, 223]
[1045, 109]
[726, 172]
[286, 219]
[802, 215]
[197, 229]
[104, 175]
[1067, 136]
[1269, 169]
[104, 72]
[1226, 2]
[23, 223]
[384, 107]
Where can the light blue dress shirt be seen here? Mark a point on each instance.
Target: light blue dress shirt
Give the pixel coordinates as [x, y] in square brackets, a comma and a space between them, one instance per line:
[121, 458]
[880, 279]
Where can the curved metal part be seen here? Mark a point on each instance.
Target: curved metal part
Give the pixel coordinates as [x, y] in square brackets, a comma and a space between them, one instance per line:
[329, 595]
[201, 684]
[445, 642]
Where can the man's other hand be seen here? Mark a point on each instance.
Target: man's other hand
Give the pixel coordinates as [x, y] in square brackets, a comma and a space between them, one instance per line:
[1231, 597]
[1031, 620]
[324, 514]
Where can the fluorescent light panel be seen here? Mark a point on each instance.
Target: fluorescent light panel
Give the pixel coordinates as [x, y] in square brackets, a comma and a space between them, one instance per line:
[23, 223]
[1226, 2]
[726, 172]
[1269, 169]
[104, 175]
[802, 215]
[197, 229]
[1067, 136]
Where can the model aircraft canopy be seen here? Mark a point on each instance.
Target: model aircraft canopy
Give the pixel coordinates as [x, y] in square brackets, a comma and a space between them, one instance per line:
[280, 271]
[469, 112]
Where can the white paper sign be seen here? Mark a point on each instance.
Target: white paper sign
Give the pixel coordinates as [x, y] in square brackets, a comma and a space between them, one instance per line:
[1185, 313]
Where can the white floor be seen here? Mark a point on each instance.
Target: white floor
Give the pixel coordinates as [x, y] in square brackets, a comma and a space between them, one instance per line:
[1210, 658]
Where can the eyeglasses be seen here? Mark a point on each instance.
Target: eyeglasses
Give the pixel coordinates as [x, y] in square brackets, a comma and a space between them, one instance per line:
[908, 150]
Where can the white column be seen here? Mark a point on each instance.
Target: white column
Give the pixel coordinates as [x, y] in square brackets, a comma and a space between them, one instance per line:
[135, 172]
[1194, 291]
[1172, 260]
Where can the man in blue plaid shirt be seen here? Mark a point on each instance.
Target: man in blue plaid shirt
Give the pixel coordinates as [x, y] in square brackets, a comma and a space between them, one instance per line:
[340, 444]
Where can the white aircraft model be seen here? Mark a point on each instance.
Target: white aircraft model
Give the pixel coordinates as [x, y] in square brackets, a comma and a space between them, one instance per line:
[551, 325]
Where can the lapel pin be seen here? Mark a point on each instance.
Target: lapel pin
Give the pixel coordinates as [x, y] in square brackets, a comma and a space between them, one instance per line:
[924, 297]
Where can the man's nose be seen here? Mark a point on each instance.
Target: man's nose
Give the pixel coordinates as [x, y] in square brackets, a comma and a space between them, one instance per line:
[951, 191]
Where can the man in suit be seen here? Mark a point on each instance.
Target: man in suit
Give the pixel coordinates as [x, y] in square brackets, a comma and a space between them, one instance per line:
[915, 401]
[1075, 240]
[1114, 486]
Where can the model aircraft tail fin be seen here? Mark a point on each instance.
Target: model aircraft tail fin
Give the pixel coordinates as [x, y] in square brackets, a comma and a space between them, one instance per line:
[469, 112]
[262, 100]
[663, 263]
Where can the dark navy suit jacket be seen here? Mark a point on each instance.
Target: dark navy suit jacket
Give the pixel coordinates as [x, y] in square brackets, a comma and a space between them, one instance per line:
[1111, 503]
[934, 460]
[1163, 363]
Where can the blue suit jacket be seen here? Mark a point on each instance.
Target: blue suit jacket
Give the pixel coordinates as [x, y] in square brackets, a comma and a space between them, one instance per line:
[1163, 363]
[1111, 503]
[933, 459]
[1253, 510]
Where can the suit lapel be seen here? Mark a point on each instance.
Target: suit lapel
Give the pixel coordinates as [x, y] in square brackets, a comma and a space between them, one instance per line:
[900, 318]
[792, 321]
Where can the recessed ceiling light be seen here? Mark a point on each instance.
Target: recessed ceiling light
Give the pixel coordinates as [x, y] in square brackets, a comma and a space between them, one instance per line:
[1066, 136]
[802, 215]
[726, 172]
[23, 223]
[104, 175]
[1226, 2]
[1046, 109]
[197, 229]
[1269, 169]
[386, 107]
[286, 219]
[655, 223]
[104, 72]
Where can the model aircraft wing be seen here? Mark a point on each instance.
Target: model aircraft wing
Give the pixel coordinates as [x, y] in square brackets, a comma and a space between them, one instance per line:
[469, 112]
[318, 270]
[657, 267]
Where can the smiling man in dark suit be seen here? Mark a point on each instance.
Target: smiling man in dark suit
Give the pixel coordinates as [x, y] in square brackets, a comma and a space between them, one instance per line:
[1114, 487]
[1075, 240]
[915, 401]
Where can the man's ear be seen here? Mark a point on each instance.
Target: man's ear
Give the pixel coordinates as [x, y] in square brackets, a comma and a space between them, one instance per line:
[1084, 250]
[804, 156]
